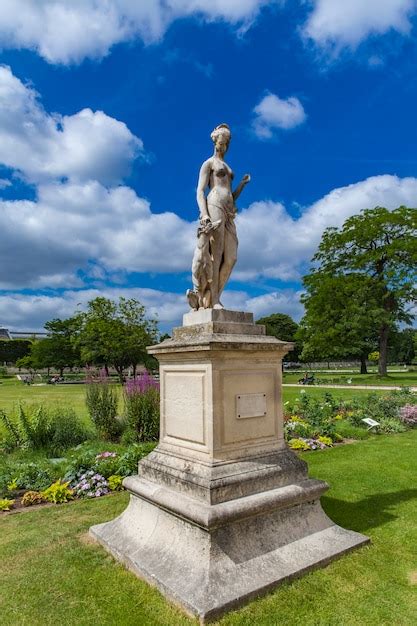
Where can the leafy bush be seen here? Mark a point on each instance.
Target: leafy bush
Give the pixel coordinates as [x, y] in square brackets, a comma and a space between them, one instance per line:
[67, 430]
[32, 476]
[318, 414]
[32, 497]
[128, 462]
[299, 444]
[6, 504]
[6, 478]
[115, 482]
[106, 463]
[325, 441]
[296, 427]
[141, 412]
[101, 400]
[37, 428]
[12, 439]
[390, 425]
[58, 493]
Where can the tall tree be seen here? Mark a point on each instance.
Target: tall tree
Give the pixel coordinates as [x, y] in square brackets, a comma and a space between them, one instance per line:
[339, 322]
[116, 334]
[58, 350]
[379, 248]
[402, 349]
[13, 349]
[282, 327]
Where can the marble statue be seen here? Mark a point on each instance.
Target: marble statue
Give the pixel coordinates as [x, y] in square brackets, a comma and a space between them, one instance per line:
[216, 251]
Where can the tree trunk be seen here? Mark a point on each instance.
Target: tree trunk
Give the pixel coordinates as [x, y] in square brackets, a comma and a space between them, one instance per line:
[364, 369]
[383, 350]
[134, 370]
[61, 372]
[106, 369]
[119, 371]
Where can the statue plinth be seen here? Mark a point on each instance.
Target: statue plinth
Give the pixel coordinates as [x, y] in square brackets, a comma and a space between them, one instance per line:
[222, 510]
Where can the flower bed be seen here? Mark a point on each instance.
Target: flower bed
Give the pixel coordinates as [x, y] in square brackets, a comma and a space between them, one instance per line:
[84, 473]
[312, 423]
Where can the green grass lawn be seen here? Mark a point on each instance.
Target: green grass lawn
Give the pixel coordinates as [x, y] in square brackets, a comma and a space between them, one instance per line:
[52, 574]
[12, 392]
[407, 379]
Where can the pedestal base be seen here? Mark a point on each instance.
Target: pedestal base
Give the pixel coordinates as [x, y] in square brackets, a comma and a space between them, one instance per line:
[222, 511]
[209, 558]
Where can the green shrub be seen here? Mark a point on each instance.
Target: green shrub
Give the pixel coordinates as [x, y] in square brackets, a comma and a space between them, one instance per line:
[36, 428]
[327, 441]
[128, 462]
[6, 504]
[13, 438]
[101, 400]
[31, 498]
[58, 493]
[318, 414]
[390, 425]
[32, 476]
[67, 430]
[115, 482]
[299, 444]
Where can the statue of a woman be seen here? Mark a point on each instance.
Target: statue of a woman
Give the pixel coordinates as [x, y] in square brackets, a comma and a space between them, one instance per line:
[216, 251]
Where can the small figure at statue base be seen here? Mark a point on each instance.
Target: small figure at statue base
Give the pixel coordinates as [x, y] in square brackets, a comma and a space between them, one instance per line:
[202, 267]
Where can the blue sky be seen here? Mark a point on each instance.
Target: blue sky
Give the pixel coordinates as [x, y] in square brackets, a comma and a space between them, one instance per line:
[106, 110]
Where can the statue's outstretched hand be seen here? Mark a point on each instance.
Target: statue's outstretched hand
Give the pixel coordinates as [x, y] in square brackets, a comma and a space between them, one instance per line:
[246, 179]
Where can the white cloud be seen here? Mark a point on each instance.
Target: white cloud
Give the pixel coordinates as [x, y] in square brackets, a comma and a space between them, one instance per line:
[43, 146]
[70, 224]
[68, 31]
[4, 183]
[30, 312]
[99, 224]
[273, 113]
[335, 25]
[274, 244]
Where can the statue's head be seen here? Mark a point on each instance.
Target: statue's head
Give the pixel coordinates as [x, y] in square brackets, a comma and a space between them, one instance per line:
[221, 136]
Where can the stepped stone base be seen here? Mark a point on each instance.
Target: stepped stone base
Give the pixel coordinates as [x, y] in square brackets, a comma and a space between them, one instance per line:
[210, 558]
[222, 511]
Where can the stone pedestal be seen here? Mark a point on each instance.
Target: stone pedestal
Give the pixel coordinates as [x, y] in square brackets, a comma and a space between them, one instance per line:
[222, 511]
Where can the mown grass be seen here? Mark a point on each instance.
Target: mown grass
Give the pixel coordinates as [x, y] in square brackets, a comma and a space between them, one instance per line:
[13, 392]
[52, 574]
[406, 378]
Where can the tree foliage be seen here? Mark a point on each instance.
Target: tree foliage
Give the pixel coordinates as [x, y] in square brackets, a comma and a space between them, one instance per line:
[403, 346]
[282, 327]
[114, 334]
[363, 282]
[338, 323]
[13, 349]
[58, 350]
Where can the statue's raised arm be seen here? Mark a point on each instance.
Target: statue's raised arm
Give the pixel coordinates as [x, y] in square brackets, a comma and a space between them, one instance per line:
[216, 251]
